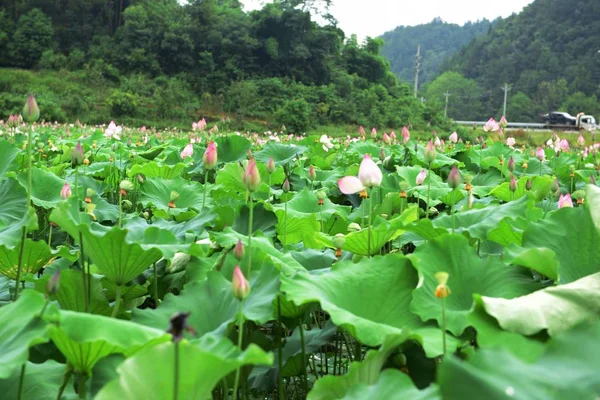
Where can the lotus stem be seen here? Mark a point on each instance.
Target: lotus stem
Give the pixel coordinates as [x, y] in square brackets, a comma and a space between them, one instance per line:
[280, 352]
[176, 372]
[81, 386]
[303, 345]
[155, 284]
[444, 325]
[117, 302]
[50, 237]
[240, 339]
[205, 189]
[120, 209]
[64, 381]
[20, 265]
[370, 220]
[453, 217]
[285, 223]
[86, 283]
[428, 190]
[250, 223]
[21, 381]
[322, 228]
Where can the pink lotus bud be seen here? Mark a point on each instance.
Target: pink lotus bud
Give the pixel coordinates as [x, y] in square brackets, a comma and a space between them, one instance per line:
[421, 177]
[31, 111]
[239, 251]
[312, 175]
[503, 122]
[565, 201]
[373, 133]
[437, 142]
[286, 186]
[77, 155]
[210, 156]
[143, 128]
[453, 137]
[393, 136]
[381, 154]
[194, 126]
[491, 126]
[251, 176]
[511, 164]
[202, 124]
[65, 192]
[540, 154]
[581, 140]
[271, 166]
[386, 138]
[53, 284]
[564, 145]
[513, 184]
[187, 151]
[511, 142]
[369, 173]
[405, 134]
[361, 131]
[430, 153]
[454, 177]
[239, 285]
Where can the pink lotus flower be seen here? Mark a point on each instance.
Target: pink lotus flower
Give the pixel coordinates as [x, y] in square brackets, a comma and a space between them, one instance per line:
[405, 134]
[437, 142]
[143, 128]
[513, 184]
[113, 131]
[421, 177]
[65, 192]
[581, 140]
[540, 154]
[563, 145]
[210, 156]
[430, 153]
[503, 122]
[369, 175]
[453, 137]
[511, 142]
[251, 176]
[312, 174]
[565, 201]
[271, 165]
[240, 287]
[393, 136]
[491, 126]
[194, 126]
[373, 133]
[187, 151]
[386, 138]
[326, 142]
[361, 131]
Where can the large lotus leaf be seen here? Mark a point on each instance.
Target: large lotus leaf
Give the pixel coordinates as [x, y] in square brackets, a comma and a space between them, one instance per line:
[440, 160]
[152, 153]
[555, 308]
[20, 329]
[478, 222]
[85, 338]
[41, 382]
[157, 191]
[8, 152]
[491, 336]
[392, 385]
[510, 231]
[213, 308]
[292, 230]
[366, 372]
[232, 148]
[409, 175]
[468, 275]
[201, 370]
[71, 296]
[567, 370]
[14, 213]
[572, 235]
[305, 204]
[593, 200]
[230, 178]
[45, 187]
[189, 229]
[264, 220]
[155, 170]
[369, 299]
[540, 187]
[36, 255]
[541, 260]
[280, 153]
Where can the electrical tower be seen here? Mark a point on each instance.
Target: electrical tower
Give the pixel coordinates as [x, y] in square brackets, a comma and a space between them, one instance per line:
[506, 88]
[447, 95]
[417, 68]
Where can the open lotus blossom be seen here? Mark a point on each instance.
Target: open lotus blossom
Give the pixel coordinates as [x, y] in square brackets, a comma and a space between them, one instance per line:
[511, 142]
[491, 126]
[421, 177]
[453, 137]
[581, 140]
[369, 175]
[65, 192]
[187, 151]
[326, 142]
[565, 201]
[113, 131]
[540, 154]
[386, 138]
[405, 134]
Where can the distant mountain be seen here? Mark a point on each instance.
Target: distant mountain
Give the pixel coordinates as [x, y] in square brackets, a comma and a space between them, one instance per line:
[439, 41]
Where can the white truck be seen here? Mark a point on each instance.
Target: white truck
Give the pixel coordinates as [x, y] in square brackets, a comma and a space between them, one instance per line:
[563, 120]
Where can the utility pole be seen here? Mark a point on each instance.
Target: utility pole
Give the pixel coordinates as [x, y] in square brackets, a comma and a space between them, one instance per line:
[447, 95]
[417, 68]
[506, 88]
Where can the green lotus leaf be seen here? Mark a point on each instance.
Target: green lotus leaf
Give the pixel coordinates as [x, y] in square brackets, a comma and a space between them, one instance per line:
[201, 370]
[540, 187]
[71, 296]
[232, 148]
[14, 213]
[593, 200]
[155, 170]
[45, 187]
[41, 382]
[157, 192]
[36, 255]
[555, 308]
[468, 275]
[280, 153]
[8, 153]
[571, 234]
[541, 260]
[392, 385]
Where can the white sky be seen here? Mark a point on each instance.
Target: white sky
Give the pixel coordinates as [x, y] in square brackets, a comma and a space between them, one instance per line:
[374, 17]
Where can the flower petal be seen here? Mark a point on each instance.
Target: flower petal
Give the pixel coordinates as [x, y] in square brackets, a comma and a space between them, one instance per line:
[350, 185]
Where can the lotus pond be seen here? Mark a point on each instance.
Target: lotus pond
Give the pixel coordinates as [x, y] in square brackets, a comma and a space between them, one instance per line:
[142, 264]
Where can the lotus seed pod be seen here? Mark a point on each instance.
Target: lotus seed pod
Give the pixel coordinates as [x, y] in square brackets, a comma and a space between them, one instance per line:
[339, 240]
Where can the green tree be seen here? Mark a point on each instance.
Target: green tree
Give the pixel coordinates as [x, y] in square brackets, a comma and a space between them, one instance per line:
[579, 102]
[520, 108]
[465, 96]
[31, 38]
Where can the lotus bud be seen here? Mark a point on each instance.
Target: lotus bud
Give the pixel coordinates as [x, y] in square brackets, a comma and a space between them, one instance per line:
[373, 133]
[503, 122]
[430, 153]
[513, 184]
[321, 195]
[140, 178]
[286, 186]
[31, 111]
[126, 185]
[354, 227]
[381, 154]
[454, 178]
[555, 187]
[174, 196]
[65, 192]
[565, 201]
[421, 177]
[528, 185]
[179, 324]
[361, 131]
[339, 240]
[511, 164]
[453, 137]
[271, 166]
[251, 176]
[442, 290]
[249, 155]
[239, 251]
[209, 159]
[405, 134]
[393, 136]
[53, 284]
[240, 287]
[187, 151]
[77, 155]
[386, 138]
[540, 154]
[312, 175]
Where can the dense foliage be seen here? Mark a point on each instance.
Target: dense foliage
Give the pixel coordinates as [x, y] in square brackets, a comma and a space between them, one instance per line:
[439, 41]
[169, 264]
[148, 62]
[549, 54]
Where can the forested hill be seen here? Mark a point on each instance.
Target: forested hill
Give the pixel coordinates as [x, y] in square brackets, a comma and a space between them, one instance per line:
[155, 61]
[439, 41]
[549, 54]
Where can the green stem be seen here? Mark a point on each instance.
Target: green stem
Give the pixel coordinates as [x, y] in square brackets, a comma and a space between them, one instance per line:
[240, 338]
[176, 372]
[155, 284]
[20, 265]
[120, 208]
[50, 237]
[453, 217]
[86, 289]
[285, 223]
[21, 382]
[81, 386]
[444, 325]
[370, 220]
[280, 352]
[428, 190]
[250, 223]
[44, 308]
[571, 185]
[303, 345]
[205, 189]
[65, 381]
[117, 302]
[322, 228]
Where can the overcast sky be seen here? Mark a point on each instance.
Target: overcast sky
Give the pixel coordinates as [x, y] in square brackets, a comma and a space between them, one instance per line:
[374, 17]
